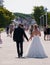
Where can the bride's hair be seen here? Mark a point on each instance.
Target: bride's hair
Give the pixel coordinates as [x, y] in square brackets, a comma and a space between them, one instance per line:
[35, 26]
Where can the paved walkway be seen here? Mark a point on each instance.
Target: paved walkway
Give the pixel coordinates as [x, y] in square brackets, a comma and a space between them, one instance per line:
[8, 54]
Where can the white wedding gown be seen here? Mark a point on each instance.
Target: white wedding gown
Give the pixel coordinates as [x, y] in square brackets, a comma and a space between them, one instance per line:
[36, 49]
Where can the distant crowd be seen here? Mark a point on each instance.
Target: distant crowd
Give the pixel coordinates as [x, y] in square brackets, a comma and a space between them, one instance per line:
[10, 29]
[46, 33]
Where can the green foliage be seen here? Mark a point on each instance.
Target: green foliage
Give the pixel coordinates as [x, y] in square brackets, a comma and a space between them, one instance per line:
[1, 29]
[5, 17]
[38, 11]
[24, 16]
[48, 18]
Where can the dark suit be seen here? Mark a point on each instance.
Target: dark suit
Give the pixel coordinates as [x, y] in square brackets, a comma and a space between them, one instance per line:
[18, 38]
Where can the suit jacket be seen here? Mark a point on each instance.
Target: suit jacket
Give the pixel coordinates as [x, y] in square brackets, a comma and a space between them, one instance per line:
[18, 35]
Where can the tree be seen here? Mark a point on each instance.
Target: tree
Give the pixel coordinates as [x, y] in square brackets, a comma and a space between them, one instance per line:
[48, 18]
[5, 17]
[37, 13]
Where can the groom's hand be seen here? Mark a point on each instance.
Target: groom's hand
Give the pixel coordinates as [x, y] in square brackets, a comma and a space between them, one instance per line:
[28, 40]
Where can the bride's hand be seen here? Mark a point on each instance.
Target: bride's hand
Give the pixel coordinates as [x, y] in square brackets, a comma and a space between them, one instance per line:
[30, 38]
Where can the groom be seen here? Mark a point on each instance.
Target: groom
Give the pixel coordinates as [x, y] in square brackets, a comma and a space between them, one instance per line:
[18, 35]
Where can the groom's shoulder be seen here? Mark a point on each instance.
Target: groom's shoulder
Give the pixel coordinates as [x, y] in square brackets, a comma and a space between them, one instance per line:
[15, 29]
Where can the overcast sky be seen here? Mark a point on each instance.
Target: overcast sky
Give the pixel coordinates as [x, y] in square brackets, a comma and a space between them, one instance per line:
[25, 6]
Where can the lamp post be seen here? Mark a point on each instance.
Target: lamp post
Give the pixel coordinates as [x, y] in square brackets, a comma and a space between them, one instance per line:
[40, 21]
[42, 17]
[46, 15]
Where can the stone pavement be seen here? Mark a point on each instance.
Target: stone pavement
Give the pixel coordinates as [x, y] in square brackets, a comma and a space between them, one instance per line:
[8, 54]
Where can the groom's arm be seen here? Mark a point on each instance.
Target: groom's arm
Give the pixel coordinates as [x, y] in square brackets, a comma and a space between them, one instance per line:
[25, 36]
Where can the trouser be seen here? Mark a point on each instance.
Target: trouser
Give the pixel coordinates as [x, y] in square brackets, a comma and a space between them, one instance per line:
[19, 48]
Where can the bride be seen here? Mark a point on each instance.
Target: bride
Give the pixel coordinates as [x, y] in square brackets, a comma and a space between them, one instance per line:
[36, 49]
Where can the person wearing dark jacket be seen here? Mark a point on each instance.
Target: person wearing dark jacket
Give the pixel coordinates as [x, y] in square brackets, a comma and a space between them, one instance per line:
[18, 35]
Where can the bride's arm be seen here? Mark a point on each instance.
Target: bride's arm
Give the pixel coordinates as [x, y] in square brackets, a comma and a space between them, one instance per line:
[31, 36]
[39, 33]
